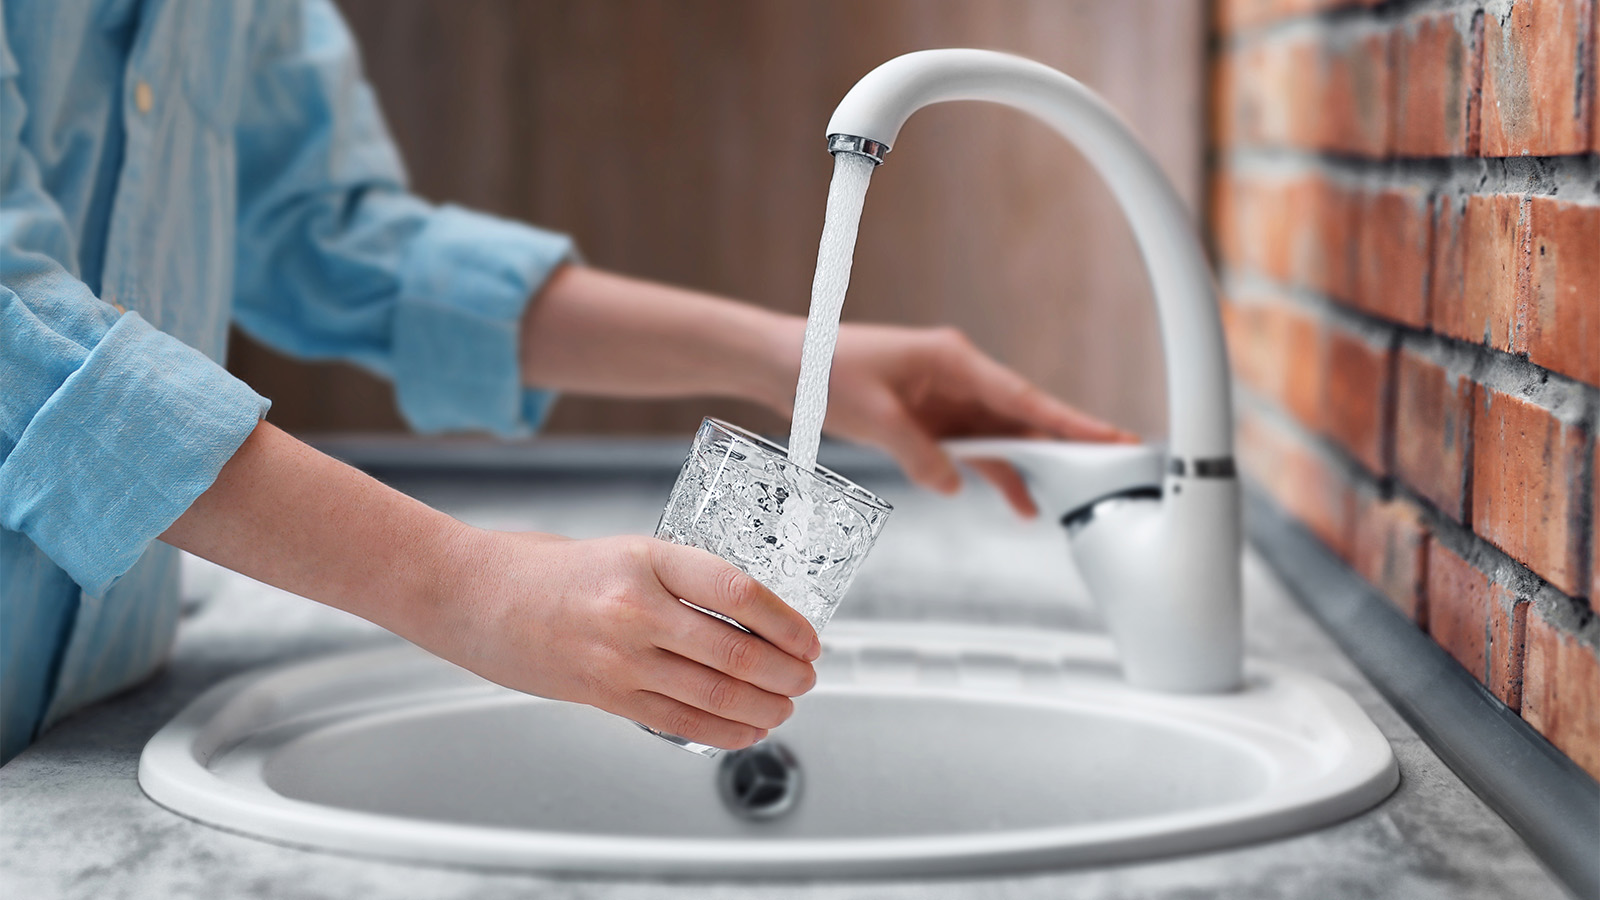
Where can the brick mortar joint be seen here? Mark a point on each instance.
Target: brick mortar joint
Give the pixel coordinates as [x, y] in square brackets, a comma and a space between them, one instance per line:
[1573, 178]
[1357, 18]
[1584, 520]
[1584, 79]
[1570, 401]
[1377, 332]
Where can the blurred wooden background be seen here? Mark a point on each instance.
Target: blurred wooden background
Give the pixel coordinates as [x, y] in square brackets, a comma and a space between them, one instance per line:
[683, 140]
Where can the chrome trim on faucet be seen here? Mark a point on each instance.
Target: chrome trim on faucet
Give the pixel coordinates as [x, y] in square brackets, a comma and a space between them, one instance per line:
[860, 146]
[1212, 467]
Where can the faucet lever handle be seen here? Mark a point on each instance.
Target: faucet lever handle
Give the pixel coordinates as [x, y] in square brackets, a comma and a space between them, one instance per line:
[1066, 476]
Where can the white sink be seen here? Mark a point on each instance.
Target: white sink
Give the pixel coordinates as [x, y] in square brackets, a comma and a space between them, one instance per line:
[924, 749]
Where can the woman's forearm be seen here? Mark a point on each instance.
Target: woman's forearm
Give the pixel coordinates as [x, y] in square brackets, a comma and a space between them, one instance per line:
[594, 332]
[288, 515]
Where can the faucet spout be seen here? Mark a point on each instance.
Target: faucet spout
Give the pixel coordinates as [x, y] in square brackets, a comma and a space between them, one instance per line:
[1166, 571]
[1200, 412]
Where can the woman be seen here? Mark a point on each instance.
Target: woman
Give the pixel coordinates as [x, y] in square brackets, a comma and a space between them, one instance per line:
[169, 167]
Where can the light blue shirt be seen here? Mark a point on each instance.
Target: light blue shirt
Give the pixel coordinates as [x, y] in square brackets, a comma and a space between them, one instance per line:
[167, 167]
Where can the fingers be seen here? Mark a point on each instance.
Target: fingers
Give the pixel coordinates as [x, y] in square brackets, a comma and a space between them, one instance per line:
[1010, 484]
[716, 584]
[924, 461]
[1075, 424]
[1012, 395]
[677, 718]
[719, 646]
[721, 695]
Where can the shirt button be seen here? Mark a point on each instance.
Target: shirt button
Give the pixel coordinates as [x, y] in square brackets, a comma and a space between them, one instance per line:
[143, 97]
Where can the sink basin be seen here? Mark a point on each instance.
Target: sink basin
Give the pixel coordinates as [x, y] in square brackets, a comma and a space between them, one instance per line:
[923, 749]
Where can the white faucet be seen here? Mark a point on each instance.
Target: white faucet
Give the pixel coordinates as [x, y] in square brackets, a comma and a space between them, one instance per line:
[1155, 532]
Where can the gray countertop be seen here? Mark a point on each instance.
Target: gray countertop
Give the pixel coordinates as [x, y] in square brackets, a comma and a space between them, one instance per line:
[73, 822]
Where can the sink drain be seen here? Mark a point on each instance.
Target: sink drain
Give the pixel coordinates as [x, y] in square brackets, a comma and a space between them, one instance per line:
[759, 783]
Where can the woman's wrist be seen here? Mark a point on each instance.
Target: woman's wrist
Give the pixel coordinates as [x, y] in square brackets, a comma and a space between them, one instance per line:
[429, 596]
[594, 332]
[452, 594]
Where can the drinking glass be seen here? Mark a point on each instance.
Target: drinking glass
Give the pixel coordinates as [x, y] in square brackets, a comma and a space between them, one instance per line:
[801, 533]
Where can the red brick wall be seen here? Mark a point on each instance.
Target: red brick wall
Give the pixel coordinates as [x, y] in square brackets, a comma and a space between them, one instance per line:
[1405, 209]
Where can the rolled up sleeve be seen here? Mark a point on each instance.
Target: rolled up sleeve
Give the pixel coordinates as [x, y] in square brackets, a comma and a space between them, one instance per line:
[138, 428]
[338, 260]
[463, 288]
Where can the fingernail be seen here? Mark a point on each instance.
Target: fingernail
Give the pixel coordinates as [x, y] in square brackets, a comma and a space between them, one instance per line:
[815, 650]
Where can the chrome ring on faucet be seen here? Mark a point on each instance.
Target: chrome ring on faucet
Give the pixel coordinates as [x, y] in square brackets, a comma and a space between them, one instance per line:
[1213, 467]
[860, 146]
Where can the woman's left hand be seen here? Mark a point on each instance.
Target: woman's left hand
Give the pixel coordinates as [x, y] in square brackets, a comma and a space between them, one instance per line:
[905, 389]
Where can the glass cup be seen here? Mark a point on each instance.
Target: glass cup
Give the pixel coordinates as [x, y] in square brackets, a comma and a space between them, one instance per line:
[802, 534]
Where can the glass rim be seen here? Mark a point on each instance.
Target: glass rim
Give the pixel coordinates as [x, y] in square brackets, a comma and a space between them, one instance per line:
[820, 473]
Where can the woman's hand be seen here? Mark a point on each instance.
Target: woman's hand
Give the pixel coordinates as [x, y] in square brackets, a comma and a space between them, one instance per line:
[599, 622]
[905, 389]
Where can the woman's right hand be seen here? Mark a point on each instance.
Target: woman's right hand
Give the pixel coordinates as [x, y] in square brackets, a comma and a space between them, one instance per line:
[599, 622]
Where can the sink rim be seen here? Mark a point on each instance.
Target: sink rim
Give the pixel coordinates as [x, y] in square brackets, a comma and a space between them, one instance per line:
[174, 771]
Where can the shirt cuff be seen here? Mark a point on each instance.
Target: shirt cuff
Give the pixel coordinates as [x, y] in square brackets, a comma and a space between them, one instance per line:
[119, 451]
[466, 280]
